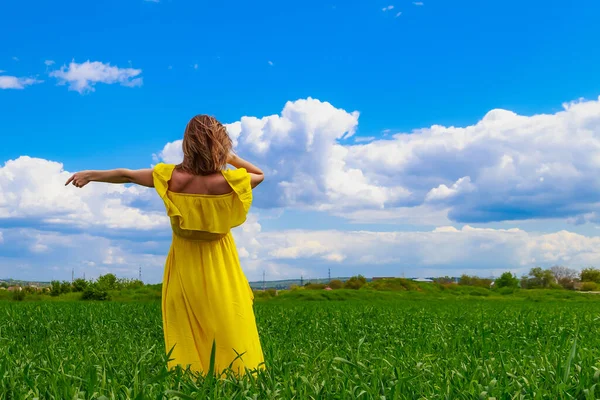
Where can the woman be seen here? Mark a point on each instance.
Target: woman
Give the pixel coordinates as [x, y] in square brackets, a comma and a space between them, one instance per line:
[205, 294]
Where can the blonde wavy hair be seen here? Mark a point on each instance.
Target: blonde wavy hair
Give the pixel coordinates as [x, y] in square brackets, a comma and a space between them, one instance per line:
[206, 146]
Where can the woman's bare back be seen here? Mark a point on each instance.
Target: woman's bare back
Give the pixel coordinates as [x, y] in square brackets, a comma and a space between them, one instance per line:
[214, 184]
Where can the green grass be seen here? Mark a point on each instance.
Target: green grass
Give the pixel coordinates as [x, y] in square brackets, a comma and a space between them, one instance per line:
[459, 347]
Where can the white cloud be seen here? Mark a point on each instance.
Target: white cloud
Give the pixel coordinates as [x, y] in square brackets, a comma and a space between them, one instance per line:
[398, 14]
[514, 167]
[443, 250]
[443, 192]
[418, 3]
[49, 62]
[33, 254]
[270, 63]
[13, 82]
[83, 77]
[306, 165]
[152, 1]
[195, 66]
[33, 189]
[390, 7]
[489, 171]
[15, 59]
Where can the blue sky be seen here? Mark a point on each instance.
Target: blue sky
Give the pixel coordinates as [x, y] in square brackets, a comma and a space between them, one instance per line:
[402, 65]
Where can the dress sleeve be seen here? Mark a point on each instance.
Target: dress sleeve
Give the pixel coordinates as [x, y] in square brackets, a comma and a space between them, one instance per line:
[239, 180]
[161, 175]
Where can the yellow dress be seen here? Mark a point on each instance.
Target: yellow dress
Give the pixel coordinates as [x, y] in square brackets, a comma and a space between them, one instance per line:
[205, 294]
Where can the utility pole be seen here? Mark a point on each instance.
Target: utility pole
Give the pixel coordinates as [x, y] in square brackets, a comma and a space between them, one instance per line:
[72, 275]
[301, 281]
[264, 283]
[329, 273]
[84, 276]
[140, 274]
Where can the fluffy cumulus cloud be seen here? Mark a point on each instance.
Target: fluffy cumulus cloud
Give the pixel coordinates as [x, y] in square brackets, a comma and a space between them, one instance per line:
[504, 167]
[45, 254]
[13, 82]
[306, 166]
[441, 251]
[83, 77]
[32, 190]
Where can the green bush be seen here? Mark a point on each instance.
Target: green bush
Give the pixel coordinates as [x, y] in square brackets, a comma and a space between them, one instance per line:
[315, 286]
[507, 280]
[355, 282]
[393, 284]
[93, 292]
[506, 290]
[79, 285]
[65, 287]
[18, 295]
[336, 284]
[55, 288]
[466, 280]
[589, 287]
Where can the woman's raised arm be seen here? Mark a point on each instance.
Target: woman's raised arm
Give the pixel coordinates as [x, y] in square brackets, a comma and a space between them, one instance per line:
[141, 177]
[256, 174]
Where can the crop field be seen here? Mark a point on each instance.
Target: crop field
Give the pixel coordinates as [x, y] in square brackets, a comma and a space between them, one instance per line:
[401, 349]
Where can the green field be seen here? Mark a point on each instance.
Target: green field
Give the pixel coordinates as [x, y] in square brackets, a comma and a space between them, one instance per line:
[370, 346]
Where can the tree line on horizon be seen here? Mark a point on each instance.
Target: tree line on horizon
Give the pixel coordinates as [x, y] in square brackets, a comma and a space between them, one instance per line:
[556, 277]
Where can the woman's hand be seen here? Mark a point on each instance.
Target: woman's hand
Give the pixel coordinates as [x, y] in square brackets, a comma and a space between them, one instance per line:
[79, 179]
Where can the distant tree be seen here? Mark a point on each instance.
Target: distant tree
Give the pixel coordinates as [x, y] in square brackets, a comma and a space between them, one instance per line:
[4, 285]
[355, 282]
[55, 288]
[561, 272]
[443, 280]
[590, 275]
[79, 285]
[94, 292]
[507, 280]
[336, 284]
[538, 278]
[564, 276]
[467, 280]
[107, 282]
[65, 287]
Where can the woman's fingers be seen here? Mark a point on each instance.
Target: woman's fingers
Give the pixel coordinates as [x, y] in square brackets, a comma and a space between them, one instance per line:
[78, 180]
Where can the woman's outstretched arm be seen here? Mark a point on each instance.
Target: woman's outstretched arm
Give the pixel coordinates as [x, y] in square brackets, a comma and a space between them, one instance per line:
[256, 174]
[138, 176]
